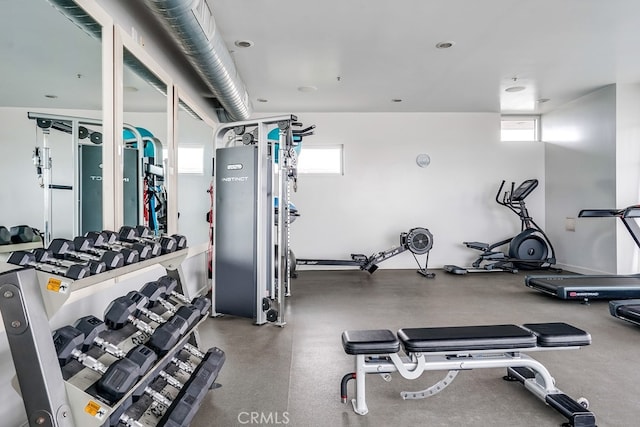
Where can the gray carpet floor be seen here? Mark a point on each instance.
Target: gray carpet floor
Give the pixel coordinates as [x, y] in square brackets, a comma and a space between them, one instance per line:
[291, 375]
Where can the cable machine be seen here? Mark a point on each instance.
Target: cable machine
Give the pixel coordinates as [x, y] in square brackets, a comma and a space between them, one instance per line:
[251, 263]
[142, 175]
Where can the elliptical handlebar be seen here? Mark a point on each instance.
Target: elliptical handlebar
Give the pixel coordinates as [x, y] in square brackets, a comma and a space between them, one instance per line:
[506, 197]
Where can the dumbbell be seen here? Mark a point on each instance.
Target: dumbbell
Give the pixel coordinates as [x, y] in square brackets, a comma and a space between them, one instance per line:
[22, 234]
[190, 313]
[157, 292]
[145, 232]
[46, 256]
[118, 418]
[74, 271]
[94, 243]
[186, 404]
[132, 234]
[181, 410]
[115, 381]
[122, 310]
[151, 249]
[65, 249]
[171, 284]
[144, 357]
[5, 235]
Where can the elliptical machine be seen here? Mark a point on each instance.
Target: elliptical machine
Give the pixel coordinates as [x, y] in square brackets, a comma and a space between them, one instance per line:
[530, 249]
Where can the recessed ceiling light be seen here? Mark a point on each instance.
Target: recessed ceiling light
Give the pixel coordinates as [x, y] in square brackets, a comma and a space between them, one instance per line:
[307, 89]
[51, 96]
[243, 43]
[262, 100]
[396, 100]
[515, 89]
[445, 45]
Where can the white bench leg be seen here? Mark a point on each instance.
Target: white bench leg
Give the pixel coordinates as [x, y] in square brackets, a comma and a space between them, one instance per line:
[360, 403]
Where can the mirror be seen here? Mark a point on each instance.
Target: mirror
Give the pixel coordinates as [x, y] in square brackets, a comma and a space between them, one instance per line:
[52, 67]
[145, 148]
[195, 163]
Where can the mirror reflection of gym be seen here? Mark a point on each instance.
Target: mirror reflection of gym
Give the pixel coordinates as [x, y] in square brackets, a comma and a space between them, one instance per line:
[144, 146]
[63, 84]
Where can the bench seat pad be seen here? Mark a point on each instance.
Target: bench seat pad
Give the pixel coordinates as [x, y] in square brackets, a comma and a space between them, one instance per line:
[376, 341]
[558, 334]
[461, 338]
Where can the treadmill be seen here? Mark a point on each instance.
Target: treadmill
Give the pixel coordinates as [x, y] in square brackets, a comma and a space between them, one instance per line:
[587, 287]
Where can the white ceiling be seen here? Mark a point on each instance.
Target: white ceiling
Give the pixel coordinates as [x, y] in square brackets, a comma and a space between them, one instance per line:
[359, 54]
[381, 50]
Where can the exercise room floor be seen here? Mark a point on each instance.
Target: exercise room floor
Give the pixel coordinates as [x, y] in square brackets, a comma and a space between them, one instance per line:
[291, 375]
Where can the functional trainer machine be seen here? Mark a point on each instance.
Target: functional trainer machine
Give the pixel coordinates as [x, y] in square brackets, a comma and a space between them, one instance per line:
[455, 349]
[585, 287]
[246, 282]
[418, 241]
[529, 249]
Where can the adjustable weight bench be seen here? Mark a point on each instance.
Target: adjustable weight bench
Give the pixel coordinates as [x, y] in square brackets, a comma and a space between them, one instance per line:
[464, 348]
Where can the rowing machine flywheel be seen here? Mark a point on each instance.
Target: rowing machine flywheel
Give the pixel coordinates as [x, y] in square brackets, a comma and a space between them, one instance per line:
[419, 240]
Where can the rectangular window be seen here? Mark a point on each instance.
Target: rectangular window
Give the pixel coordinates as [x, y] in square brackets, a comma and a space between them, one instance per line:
[520, 128]
[191, 160]
[321, 159]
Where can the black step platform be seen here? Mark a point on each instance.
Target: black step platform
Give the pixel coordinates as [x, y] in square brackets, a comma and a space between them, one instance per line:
[628, 310]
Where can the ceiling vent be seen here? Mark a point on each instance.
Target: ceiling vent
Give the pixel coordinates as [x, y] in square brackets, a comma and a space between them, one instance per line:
[192, 26]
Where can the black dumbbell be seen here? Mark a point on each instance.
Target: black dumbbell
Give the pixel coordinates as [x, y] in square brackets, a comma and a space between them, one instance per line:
[23, 258]
[186, 404]
[115, 381]
[5, 236]
[119, 418]
[123, 310]
[147, 233]
[151, 249]
[94, 243]
[170, 284]
[46, 256]
[66, 249]
[157, 293]
[132, 235]
[143, 356]
[181, 410]
[22, 234]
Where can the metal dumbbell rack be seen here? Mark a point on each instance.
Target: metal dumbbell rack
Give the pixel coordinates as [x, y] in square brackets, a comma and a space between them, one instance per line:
[28, 300]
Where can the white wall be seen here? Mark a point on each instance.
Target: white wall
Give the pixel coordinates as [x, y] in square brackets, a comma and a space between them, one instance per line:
[580, 158]
[383, 192]
[627, 171]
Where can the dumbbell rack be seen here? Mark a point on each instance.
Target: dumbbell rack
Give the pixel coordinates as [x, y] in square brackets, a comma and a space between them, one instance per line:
[28, 300]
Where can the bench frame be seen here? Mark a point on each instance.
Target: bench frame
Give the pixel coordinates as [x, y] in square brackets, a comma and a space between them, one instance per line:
[520, 367]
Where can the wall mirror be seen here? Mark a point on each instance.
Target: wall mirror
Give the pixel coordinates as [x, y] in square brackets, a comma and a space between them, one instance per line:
[52, 69]
[145, 146]
[195, 163]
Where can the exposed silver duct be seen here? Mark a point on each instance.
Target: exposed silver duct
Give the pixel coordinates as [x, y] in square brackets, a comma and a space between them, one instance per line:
[191, 25]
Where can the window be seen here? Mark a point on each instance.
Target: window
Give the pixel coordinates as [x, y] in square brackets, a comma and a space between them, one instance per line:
[191, 160]
[519, 128]
[321, 159]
